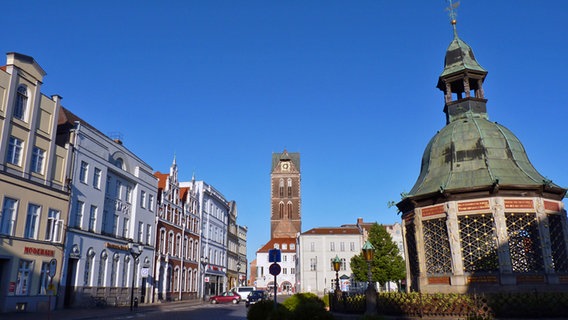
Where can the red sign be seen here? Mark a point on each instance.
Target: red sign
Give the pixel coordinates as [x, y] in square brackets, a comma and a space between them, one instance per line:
[432, 211]
[473, 205]
[12, 287]
[518, 204]
[39, 251]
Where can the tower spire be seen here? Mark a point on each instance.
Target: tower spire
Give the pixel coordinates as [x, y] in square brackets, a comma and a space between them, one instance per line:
[452, 8]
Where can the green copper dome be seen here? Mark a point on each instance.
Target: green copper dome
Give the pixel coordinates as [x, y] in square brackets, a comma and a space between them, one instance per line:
[474, 152]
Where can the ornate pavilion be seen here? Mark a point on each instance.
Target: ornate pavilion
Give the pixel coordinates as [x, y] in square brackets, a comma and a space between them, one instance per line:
[480, 217]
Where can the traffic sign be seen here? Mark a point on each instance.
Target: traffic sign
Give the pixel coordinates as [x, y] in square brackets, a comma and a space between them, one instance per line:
[274, 269]
[274, 255]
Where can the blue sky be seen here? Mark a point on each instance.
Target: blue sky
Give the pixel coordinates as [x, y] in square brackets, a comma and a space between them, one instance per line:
[348, 84]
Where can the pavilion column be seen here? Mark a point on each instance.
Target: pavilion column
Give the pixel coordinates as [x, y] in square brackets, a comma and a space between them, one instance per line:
[544, 231]
[466, 87]
[419, 231]
[455, 244]
[503, 253]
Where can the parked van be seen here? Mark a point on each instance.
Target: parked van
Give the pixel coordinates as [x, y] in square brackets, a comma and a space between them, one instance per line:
[243, 291]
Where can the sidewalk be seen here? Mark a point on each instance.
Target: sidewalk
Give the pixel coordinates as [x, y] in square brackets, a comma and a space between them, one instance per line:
[92, 313]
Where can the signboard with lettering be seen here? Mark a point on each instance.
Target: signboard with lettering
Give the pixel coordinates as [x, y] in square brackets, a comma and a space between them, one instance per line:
[473, 205]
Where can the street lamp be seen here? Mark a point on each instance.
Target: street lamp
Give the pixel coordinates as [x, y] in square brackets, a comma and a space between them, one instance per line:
[135, 251]
[204, 262]
[370, 293]
[238, 274]
[336, 266]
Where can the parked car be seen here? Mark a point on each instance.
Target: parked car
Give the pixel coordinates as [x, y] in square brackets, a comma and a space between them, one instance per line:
[243, 291]
[256, 296]
[225, 297]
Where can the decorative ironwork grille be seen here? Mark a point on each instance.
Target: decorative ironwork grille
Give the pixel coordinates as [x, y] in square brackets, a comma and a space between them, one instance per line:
[479, 243]
[524, 242]
[557, 243]
[437, 247]
[410, 236]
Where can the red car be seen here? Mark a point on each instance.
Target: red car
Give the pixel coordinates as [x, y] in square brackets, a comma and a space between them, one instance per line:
[226, 297]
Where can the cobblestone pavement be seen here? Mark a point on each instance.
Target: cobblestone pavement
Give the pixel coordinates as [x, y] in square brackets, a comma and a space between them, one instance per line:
[90, 313]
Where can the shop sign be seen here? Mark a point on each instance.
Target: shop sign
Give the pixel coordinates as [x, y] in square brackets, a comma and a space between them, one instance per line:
[206, 279]
[39, 251]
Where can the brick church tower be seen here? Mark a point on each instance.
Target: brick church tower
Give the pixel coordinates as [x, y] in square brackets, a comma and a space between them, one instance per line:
[285, 215]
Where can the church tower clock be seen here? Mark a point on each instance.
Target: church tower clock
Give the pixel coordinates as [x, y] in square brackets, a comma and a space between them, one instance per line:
[285, 215]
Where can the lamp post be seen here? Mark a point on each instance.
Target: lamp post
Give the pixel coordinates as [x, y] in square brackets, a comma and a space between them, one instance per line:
[135, 251]
[238, 274]
[204, 262]
[370, 293]
[336, 266]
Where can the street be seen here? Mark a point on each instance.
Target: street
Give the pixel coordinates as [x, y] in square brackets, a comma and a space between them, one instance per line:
[189, 312]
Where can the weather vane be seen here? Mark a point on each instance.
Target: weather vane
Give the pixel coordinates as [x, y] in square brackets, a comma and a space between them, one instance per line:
[452, 9]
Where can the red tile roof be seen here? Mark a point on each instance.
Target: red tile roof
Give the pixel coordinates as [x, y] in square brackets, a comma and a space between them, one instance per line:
[340, 230]
[162, 178]
[270, 244]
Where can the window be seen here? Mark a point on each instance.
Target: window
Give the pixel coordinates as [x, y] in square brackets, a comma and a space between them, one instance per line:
[289, 188]
[79, 213]
[93, 218]
[115, 225]
[178, 241]
[125, 270]
[151, 205]
[163, 241]
[352, 246]
[14, 154]
[292, 270]
[289, 210]
[284, 246]
[32, 221]
[83, 171]
[113, 270]
[53, 227]
[38, 156]
[140, 232]
[128, 194]
[125, 228]
[21, 106]
[342, 246]
[313, 264]
[107, 191]
[88, 267]
[332, 246]
[281, 188]
[102, 268]
[292, 246]
[104, 227]
[8, 218]
[25, 269]
[43, 278]
[143, 199]
[148, 233]
[118, 189]
[97, 178]
[312, 246]
[284, 270]
[343, 264]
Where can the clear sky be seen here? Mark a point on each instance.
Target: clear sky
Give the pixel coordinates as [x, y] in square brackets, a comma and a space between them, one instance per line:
[348, 84]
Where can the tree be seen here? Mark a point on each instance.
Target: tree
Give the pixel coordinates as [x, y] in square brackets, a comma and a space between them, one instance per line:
[387, 264]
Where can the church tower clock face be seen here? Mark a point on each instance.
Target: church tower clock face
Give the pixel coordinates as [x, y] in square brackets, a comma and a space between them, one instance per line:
[285, 166]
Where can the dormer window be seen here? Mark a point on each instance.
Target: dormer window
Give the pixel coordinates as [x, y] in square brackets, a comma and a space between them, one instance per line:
[21, 105]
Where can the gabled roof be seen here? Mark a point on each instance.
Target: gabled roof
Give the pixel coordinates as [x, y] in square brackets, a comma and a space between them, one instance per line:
[162, 178]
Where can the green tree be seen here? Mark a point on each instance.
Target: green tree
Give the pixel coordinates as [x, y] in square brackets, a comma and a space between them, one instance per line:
[387, 264]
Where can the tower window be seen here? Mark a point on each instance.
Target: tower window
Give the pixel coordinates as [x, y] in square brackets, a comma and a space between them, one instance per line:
[289, 188]
[281, 188]
[21, 106]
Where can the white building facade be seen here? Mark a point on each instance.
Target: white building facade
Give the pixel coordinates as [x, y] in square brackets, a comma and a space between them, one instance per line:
[112, 204]
[214, 217]
[317, 248]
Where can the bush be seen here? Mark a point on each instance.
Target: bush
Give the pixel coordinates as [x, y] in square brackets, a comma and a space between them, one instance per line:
[264, 310]
[307, 306]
